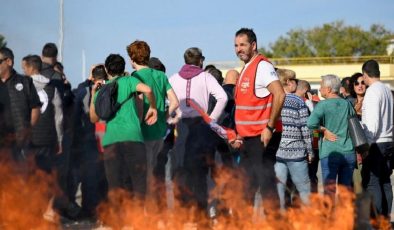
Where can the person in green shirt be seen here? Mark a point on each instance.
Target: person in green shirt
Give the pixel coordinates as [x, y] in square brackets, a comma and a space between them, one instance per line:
[139, 53]
[337, 154]
[124, 149]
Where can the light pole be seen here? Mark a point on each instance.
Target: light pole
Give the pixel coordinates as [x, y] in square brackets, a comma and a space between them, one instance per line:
[60, 56]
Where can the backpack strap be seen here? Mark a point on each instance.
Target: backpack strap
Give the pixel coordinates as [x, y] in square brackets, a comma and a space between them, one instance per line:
[130, 95]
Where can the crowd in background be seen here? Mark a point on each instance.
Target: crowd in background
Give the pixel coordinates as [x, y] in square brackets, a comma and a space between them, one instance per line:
[282, 130]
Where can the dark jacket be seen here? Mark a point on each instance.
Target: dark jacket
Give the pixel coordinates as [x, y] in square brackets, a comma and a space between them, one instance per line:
[45, 131]
[226, 119]
[84, 129]
[23, 98]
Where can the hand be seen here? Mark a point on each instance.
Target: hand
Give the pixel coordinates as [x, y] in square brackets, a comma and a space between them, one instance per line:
[96, 85]
[309, 96]
[237, 143]
[266, 136]
[173, 120]
[59, 150]
[359, 158]
[311, 157]
[328, 135]
[151, 116]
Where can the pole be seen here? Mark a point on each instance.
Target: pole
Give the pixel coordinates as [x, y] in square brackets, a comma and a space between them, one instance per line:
[60, 56]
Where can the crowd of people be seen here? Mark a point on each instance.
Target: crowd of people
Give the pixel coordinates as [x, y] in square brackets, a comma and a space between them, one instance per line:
[282, 130]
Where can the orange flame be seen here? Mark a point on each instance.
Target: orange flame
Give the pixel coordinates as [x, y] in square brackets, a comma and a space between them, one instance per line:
[23, 198]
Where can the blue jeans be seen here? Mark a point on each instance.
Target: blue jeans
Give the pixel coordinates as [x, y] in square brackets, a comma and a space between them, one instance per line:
[299, 175]
[337, 165]
[375, 175]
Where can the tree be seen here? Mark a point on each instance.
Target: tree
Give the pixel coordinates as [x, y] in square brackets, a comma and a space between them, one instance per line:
[2, 41]
[331, 40]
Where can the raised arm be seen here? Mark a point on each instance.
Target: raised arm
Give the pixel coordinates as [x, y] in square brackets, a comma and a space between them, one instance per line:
[92, 111]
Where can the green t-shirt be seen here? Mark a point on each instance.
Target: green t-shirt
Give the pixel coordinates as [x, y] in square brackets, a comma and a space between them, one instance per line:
[125, 126]
[333, 114]
[158, 82]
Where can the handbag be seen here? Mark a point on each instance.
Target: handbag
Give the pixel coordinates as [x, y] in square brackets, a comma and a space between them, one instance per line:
[358, 136]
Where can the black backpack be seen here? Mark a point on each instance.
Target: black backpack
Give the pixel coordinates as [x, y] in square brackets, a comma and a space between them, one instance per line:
[106, 104]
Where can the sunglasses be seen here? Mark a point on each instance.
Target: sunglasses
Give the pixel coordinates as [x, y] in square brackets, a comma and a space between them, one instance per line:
[1, 60]
[357, 83]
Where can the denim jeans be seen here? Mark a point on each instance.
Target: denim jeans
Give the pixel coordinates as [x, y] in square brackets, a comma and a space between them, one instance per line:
[376, 173]
[299, 175]
[340, 166]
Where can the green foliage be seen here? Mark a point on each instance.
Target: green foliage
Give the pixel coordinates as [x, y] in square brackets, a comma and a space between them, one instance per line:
[2, 41]
[331, 40]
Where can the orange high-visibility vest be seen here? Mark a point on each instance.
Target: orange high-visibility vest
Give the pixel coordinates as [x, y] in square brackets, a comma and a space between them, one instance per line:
[251, 112]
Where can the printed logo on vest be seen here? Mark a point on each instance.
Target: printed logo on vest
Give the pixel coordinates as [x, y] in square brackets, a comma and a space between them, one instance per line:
[245, 84]
[19, 86]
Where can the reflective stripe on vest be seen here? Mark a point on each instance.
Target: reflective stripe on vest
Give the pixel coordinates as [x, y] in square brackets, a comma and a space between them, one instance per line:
[245, 107]
[252, 122]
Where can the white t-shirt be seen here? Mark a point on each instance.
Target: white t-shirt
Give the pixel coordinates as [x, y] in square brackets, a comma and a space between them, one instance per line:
[264, 76]
[377, 113]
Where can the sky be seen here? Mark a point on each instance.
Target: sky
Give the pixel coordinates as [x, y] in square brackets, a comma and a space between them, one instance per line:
[101, 27]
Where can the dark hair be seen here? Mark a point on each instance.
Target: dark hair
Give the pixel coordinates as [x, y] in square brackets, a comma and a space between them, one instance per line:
[115, 64]
[249, 33]
[33, 61]
[209, 67]
[371, 67]
[49, 50]
[353, 79]
[155, 63]
[139, 52]
[59, 65]
[345, 83]
[99, 73]
[7, 53]
[193, 56]
[217, 74]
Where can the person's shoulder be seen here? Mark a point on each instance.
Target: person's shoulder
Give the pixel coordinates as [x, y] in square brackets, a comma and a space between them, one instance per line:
[84, 84]
[296, 98]
[127, 79]
[228, 87]
[321, 104]
[175, 77]
[82, 87]
[21, 78]
[159, 74]
[267, 68]
[293, 100]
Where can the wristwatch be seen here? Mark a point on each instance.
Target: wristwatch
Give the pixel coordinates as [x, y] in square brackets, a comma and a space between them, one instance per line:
[271, 129]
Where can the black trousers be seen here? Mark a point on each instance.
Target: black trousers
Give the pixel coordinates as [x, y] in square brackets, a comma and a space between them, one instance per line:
[88, 169]
[193, 163]
[124, 160]
[257, 163]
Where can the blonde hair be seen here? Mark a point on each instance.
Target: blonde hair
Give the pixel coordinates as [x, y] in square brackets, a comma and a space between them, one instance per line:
[285, 75]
